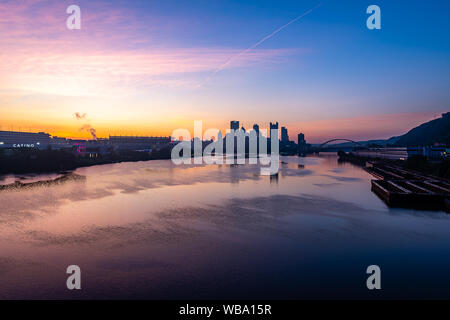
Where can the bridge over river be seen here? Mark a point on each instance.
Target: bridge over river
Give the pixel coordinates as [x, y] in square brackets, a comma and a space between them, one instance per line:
[328, 146]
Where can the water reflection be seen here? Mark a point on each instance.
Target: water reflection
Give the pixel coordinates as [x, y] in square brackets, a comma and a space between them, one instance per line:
[155, 230]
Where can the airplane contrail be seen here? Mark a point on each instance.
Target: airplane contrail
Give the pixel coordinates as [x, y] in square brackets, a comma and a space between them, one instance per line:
[223, 66]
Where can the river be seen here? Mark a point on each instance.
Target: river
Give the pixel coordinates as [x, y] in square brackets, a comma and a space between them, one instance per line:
[154, 230]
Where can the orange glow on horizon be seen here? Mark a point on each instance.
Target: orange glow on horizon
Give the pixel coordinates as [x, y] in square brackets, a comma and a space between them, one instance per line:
[357, 128]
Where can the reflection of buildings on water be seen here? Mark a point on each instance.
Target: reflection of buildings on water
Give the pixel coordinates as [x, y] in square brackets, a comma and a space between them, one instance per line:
[274, 178]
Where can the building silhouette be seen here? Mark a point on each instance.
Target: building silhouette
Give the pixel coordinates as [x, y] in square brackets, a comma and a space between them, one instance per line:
[284, 135]
[234, 125]
[273, 126]
[301, 139]
[303, 147]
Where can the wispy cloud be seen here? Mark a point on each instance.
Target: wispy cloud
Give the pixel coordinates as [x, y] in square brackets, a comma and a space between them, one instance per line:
[99, 73]
[106, 57]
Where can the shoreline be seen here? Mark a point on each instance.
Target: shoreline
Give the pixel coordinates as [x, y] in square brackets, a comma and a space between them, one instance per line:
[58, 161]
[70, 170]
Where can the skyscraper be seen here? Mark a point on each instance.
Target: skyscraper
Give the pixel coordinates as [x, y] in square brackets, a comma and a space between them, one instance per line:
[301, 139]
[284, 135]
[234, 125]
[303, 147]
[273, 126]
[256, 128]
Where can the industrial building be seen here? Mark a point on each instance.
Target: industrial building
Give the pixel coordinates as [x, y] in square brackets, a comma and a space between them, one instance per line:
[42, 141]
[39, 140]
[138, 143]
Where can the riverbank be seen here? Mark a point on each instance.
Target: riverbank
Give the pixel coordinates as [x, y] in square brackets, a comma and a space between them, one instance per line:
[56, 161]
[418, 164]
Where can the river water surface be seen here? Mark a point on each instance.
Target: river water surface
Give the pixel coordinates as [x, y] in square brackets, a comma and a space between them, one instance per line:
[154, 230]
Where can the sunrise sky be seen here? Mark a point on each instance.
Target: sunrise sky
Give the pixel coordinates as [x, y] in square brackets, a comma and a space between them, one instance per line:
[149, 67]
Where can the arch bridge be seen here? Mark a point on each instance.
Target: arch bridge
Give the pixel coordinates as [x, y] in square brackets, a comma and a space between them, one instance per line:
[334, 140]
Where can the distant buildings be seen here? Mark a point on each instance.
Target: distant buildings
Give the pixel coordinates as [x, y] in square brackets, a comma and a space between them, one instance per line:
[273, 126]
[303, 147]
[39, 140]
[145, 144]
[103, 146]
[284, 135]
[43, 141]
[234, 125]
[139, 140]
[435, 152]
[301, 139]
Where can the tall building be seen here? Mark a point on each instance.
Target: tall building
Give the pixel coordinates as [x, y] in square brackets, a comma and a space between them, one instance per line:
[284, 135]
[303, 147]
[234, 125]
[301, 139]
[256, 128]
[273, 126]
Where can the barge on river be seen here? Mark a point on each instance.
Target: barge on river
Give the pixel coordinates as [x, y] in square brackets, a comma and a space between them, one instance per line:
[399, 187]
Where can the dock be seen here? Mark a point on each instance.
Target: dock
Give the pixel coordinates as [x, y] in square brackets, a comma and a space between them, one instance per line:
[399, 187]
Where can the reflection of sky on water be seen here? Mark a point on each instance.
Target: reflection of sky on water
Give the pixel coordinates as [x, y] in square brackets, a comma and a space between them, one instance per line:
[155, 230]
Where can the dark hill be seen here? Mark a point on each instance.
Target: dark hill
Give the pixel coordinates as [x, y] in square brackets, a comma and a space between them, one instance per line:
[434, 131]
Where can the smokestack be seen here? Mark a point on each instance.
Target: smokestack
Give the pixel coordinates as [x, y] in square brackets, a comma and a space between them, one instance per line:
[92, 131]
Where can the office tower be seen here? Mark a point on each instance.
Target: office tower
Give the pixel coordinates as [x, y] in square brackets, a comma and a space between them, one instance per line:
[234, 125]
[284, 135]
[256, 128]
[301, 139]
[243, 129]
[273, 126]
